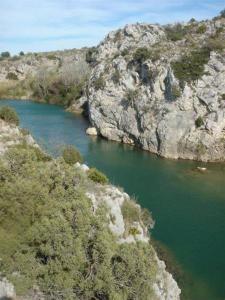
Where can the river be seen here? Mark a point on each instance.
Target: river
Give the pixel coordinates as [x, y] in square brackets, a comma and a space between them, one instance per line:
[188, 206]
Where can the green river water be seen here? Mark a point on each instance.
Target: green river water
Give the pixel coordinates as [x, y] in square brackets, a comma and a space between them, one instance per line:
[188, 206]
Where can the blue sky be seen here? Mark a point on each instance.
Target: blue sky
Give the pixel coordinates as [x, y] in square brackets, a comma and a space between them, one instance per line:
[43, 25]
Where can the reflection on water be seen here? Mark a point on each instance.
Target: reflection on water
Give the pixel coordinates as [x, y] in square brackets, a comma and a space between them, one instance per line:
[188, 205]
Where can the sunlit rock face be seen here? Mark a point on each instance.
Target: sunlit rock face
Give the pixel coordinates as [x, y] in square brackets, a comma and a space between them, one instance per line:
[145, 104]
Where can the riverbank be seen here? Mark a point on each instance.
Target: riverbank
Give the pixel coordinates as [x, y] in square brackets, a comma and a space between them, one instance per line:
[188, 206]
[105, 207]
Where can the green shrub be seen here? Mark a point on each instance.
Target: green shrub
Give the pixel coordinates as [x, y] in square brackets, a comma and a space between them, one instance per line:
[191, 67]
[116, 76]
[176, 32]
[175, 91]
[134, 231]
[50, 237]
[223, 96]
[90, 55]
[99, 83]
[130, 211]
[141, 55]
[71, 155]
[97, 176]
[9, 115]
[131, 96]
[21, 53]
[12, 76]
[51, 57]
[199, 122]
[216, 43]
[24, 131]
[14, 58]
[201, 29]
[146, 218]
[125, 52]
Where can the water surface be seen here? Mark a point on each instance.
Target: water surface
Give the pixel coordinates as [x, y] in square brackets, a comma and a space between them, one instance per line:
[189, 207]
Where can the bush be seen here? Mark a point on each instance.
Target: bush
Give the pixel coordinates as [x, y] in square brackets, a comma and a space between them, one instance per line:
[5, 54]
[90, 55]
[125, 52]
[141, 55]
[12, 76]
[201, 29]
[199, 122]
[21, 53]
[97, 176]
[175, 91]
[215, 43]
[24, 131]
[131, 96]
[71, 155]
[116, 76]
[99, 83]
[191, 67]
[9, 115]
[131, 212]
[50, 237]
[51, 57]
[223, 96]
[176, 32]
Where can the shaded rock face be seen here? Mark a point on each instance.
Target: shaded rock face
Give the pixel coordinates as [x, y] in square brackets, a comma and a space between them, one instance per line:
[142, 103]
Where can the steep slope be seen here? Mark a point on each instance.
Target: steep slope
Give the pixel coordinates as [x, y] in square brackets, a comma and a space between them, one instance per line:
[64, 235]
[162, 89]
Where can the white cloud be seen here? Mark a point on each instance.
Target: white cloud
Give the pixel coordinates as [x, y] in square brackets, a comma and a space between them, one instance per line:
[30, 24]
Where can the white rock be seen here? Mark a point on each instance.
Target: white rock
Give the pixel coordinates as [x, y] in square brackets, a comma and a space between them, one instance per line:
[92, 131]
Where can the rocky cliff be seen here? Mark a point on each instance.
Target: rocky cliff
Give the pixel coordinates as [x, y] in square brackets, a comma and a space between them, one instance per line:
[162, 89]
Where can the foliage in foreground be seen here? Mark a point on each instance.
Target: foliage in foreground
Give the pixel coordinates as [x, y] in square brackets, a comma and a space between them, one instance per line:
[50, 237]
[9, 115]
[71, 155]
[97, 176]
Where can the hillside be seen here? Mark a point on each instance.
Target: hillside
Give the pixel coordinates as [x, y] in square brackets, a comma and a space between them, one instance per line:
[67, 233]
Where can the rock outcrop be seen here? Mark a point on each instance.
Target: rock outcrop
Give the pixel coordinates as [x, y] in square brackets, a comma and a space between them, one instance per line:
[140, 98]
[11, 135]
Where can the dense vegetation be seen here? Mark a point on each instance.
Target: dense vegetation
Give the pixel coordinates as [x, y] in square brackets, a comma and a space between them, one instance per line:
[176, 32]
[60, 87]
[50, 237]
[9, 115]
[71, 155]
[191, 66]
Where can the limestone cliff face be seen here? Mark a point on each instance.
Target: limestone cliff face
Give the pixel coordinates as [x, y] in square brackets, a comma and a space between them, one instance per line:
[143, 103]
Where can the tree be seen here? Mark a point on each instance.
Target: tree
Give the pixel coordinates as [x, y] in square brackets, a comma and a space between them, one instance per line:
[222, 13]
[21, 53]
[75, 73]
[5, 54]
